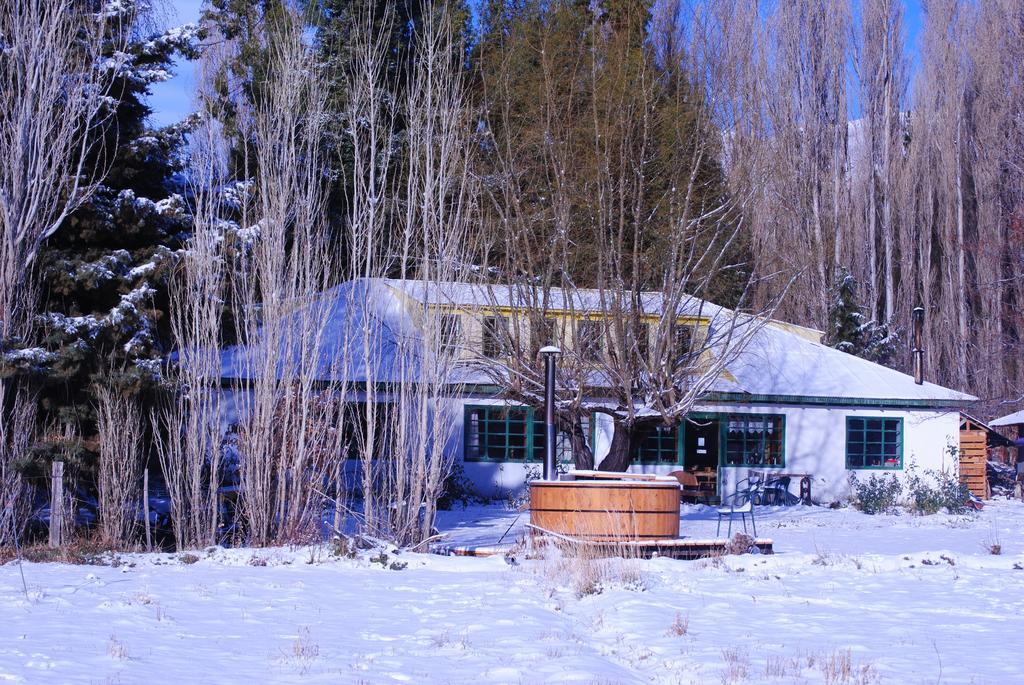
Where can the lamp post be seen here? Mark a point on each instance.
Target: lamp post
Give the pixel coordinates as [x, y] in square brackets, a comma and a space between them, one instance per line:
[550, 354]
[917, 351]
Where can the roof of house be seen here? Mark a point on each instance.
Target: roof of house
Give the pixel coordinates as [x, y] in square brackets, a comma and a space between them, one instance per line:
[1013, 419]
[781, 361]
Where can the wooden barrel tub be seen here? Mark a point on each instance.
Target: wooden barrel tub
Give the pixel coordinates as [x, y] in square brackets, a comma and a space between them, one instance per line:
[606, 510]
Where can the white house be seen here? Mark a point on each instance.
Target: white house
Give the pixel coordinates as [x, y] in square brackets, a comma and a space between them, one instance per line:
[785, 403]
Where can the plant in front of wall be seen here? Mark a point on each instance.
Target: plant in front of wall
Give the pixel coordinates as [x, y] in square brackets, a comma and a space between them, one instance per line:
[876, 494]
[933, 491]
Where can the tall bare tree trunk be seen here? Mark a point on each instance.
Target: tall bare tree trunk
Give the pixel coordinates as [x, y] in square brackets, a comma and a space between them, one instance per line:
[52, 104]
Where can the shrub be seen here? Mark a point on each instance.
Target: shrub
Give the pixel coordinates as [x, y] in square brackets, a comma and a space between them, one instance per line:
[741, 543]
[935, 491]
[456, 488]
[877, 494]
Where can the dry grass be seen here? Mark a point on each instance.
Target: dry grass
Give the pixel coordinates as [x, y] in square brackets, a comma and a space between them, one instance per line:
[445, 639]
[89, 551]
[681, 626]
[839, 668]
[117, 649]
[992, 543]
[776, 667]
[588, 569]
[737, 665]
[304, 650]
[739, 544]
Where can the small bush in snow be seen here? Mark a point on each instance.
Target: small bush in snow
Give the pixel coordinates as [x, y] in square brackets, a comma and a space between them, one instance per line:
[681, 626]
[188, 559]
[877, 494]
[741, 543]
[117, 649]
[457, 488]
[935, 491]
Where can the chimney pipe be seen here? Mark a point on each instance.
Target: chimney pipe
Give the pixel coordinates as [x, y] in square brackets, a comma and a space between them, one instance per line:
[918, 345]
[550, 355]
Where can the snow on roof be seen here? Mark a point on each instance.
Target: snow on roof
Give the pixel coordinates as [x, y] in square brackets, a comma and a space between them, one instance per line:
[1013, 419]
[782, 363]
[782, 360]
[579, 300]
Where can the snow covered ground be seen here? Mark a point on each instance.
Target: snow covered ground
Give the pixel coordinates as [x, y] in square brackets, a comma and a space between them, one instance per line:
[847, 598]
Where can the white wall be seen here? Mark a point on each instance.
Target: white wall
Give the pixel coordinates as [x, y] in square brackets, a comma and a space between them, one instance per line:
[815, 444]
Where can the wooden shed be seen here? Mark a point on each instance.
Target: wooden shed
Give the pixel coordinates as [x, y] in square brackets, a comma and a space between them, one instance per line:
[976, 438]
[974, 455]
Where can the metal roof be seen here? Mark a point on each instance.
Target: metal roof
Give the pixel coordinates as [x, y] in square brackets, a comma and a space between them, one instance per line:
[781, 360]
[1013, 419]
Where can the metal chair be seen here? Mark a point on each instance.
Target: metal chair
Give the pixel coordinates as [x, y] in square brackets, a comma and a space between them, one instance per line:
[776, 490]
[741, 503]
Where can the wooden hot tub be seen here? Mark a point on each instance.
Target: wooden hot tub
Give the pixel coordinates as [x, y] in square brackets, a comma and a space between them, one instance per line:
[606, 509]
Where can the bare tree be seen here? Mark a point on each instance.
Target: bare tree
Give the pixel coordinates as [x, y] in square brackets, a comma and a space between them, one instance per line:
[188, 423]
[54, 100]
[121, 432]
[16, 431]
[411, 204]
[882, 74]
[640, 343]
[370, 128]
[918, 196]
[436, 240]
[277, 280]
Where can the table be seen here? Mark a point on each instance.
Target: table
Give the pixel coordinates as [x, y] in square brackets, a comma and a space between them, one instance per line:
[707, 479]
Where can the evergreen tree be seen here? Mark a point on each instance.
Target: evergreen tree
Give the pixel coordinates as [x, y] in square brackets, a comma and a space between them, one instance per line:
[852, 332]
[103, 273]
[562, 87]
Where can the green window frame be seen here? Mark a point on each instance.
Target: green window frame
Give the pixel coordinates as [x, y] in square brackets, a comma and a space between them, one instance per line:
[874, 442]
[659, 444]
[754, 440]
[503, 433]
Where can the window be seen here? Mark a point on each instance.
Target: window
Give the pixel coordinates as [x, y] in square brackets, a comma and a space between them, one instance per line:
[563, 443]
[495, 337]
[874, 443]
[754, 440]
[449, 329]
[542, 334]
[682, 344]
[498, 433]
[588, 340]
[658, 444]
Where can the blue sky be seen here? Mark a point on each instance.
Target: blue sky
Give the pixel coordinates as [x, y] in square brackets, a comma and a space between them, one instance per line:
[172, 100]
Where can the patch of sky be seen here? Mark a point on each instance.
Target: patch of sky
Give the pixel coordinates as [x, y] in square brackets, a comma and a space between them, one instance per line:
[171, 99]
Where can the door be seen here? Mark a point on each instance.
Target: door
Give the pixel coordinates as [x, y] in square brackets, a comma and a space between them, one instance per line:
[700, 451]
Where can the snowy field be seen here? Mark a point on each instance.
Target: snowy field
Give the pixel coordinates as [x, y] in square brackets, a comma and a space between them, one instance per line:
[847, 598]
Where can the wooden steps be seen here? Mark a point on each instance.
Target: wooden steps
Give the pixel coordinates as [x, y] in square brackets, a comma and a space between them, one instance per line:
[674, 548]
